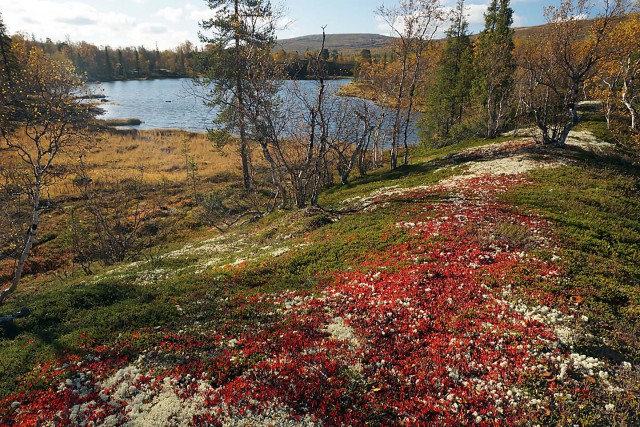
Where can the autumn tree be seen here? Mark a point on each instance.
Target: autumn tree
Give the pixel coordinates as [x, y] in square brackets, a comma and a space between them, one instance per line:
[383, 77]
[617, 83]
[555, 65]
[45, 120]
[365, 56]
[494, 66]
[240, 31]
[291, 125]
[414, 23]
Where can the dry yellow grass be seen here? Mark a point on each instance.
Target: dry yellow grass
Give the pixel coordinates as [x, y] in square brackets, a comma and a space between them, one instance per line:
[159, 153]
[156, 156]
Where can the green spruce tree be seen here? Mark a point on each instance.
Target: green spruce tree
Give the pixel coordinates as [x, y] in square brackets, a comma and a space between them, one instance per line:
[240, 30]
[122, 69]
[137, 55]
[108, 67]
[6, 55]
[448, 98]
[495, 67]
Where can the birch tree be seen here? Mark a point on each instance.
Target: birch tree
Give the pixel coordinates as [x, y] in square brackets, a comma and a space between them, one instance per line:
[44, 120]
[238, 34]
[620, 74]
[555, 65]
[414, 23]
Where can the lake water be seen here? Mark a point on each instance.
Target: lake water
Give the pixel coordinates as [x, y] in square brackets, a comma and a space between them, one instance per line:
[163, 104]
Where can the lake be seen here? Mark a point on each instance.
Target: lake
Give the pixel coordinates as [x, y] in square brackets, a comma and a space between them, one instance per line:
[164, 104]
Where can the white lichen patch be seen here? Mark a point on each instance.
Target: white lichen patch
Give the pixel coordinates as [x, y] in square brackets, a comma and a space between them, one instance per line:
[560, 322]
[210, 247]
[166, 409]
[224, 251]
[367, 200]
[587, 141]
[279, 251]
[152, 276]
[121, 382]
[514, 165]
[340, 331]
[273, 415]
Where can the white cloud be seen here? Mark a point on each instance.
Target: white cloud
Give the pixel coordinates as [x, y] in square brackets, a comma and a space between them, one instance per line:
[519, 21]
[475, 13]
[171, 14]
[153, 28]
[78, 20]
[399, 23]
[287, 29]
[382, 25]
[198, 13]
[84, 21]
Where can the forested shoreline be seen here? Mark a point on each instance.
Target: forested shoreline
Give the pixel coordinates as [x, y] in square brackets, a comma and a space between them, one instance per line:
[106, 64]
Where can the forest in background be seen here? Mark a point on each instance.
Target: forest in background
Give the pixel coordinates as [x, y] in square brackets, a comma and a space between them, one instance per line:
[104, 63]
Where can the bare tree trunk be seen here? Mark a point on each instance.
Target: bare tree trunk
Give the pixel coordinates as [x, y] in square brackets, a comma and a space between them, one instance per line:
[412, 91]
[377, 150]
[575, 119]
[397, 124]
[275, 176]
[244, 143]
[355, 155]
[632, 110]
[28, 244]
[407, 123]
[362, 157]
[318, 119]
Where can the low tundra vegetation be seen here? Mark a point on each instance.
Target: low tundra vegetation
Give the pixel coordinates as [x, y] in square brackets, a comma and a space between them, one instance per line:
[423, 296]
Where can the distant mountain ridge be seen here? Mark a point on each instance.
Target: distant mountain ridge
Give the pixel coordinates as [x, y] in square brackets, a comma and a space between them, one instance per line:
[338, 42]
[359, 41]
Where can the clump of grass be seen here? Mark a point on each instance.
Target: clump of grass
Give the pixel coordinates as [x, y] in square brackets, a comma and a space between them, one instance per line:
[512, 235]
[223, 177]
[121, 122]
[93, 96]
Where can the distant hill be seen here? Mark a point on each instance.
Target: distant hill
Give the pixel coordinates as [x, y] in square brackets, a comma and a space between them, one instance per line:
[340, 42]
[356, 42]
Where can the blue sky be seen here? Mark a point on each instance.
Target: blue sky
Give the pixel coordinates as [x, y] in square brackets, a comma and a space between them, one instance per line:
[168, 23]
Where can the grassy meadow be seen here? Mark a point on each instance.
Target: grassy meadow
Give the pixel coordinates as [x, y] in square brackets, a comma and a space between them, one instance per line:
[156, 155]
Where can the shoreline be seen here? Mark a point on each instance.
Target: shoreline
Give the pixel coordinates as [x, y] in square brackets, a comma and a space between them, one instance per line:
[366, 90]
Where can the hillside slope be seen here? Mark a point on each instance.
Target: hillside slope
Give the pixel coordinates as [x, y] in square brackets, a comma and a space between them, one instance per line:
[357, 41]
[483, 285]
[340, 42]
